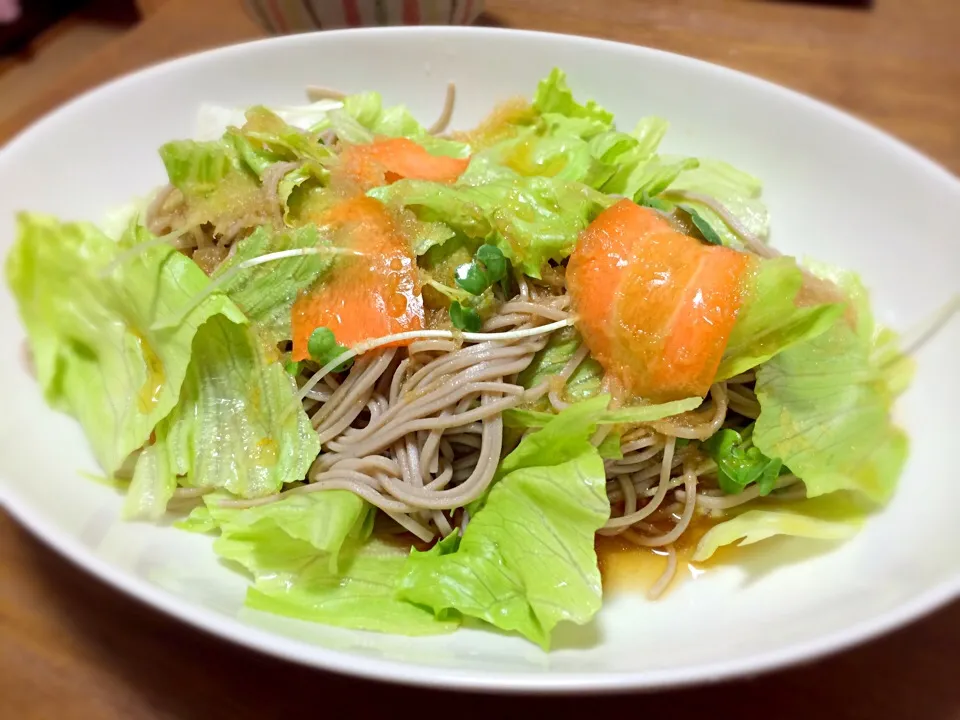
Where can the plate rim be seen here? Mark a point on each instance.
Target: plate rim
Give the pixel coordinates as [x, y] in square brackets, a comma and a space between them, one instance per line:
[249, 636]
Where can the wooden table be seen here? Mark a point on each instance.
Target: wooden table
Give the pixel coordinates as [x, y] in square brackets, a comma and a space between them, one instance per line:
[71, 647]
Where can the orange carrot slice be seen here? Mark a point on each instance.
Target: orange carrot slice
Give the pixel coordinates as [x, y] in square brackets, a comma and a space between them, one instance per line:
[370, 294]
[655, 307]
[390, 159]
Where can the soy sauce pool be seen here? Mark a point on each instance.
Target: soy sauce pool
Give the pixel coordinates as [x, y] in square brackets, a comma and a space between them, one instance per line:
[629, 568]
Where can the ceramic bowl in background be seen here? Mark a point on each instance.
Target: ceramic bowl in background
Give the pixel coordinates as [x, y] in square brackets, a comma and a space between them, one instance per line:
[294, 16]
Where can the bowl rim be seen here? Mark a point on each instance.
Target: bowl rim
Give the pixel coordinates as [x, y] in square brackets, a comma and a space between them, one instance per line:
[236, 631]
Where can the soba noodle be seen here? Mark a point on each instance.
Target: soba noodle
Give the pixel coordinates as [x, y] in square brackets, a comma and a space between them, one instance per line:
[418, 431]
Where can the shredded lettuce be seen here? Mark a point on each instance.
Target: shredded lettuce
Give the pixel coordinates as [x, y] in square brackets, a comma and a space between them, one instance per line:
[311, 558]
[526, 561]
[220, 180]
[292, 186]
[831, 517]
[770, 319]
[579, 143]
[530, 154]
[531, 220]
[196, 167]
[585, 382]
[614, 162]
[185, 382]
[734, 189]
[649, 177]
[266, 292]
[631, 415]
[214, 120]
[554, 96]
[90, 316]
[319, 526]
[270, 136]
[364, 118]
[825, 407]
[216, 184]
[237, 425]
[363, 597]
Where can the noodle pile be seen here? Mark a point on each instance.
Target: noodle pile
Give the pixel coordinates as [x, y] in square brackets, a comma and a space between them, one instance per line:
[418, 431]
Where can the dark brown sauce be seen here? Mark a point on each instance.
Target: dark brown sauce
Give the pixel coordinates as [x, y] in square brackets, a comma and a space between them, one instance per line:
[626, 567]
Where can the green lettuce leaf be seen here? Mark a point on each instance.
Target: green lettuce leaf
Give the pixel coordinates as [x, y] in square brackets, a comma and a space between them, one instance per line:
[362, 597]
[257, 159]
[554, 96]
[637, 175]
[831, 517]
[532, 220]
[196, 167]
[649, 133]
[154, 482]
[233, 202]
[526, 561]
[825, 408]
[237, 425]
[364, 118]
[266, 139]
[272, 139]
[610, 447]
[266, 292]
[90, 317]
[198, 521]
[608, 160]
[632, 415]
[220, 180]
[347, 128]
[311, 559]
[292, 185]
[635, 165]
[298, 539]
[579, 143]
[529, 154]
[736, 190]
[623, 164]
[579, 127]
[770, 320]
[585, 382]
[648, 413]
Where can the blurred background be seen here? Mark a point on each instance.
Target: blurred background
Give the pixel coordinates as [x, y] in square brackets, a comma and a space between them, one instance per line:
[895, 63]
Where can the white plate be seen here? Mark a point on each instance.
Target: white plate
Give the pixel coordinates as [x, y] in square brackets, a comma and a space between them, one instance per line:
[837, 189]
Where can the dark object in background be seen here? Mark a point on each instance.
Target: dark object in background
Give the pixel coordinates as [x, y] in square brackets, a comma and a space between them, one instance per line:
[35, 16]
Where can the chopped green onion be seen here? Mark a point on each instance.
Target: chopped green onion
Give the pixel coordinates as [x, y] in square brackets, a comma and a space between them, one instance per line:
[739, 463]
[655, 203]
[489, 267]
[710, 235]
[323, 347]
[464, 318]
